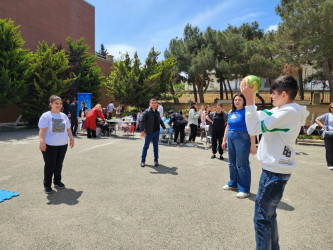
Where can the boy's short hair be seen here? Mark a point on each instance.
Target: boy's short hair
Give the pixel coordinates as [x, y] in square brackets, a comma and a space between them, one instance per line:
[286, 83]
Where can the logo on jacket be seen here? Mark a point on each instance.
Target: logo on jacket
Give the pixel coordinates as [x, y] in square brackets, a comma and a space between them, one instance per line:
[286, 151]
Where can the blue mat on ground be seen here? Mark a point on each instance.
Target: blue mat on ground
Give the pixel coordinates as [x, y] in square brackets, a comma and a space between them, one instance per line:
[6, 195]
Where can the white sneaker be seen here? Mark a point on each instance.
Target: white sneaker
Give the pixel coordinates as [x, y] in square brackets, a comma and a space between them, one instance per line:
[242, 195]
[226, 187]
[330, 167]
[189, 145]
[173, 143]
[195, 144]
[181, 144]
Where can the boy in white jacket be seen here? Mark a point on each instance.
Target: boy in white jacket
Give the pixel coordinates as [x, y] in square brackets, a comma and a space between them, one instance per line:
[279, 128]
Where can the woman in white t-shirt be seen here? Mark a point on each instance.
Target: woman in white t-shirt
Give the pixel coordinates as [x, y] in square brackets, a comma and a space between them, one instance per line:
[54, 131]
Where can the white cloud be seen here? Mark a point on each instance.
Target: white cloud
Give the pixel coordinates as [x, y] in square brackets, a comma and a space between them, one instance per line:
[117, 49]
[246, 18]
[205, 17]
[273, 27]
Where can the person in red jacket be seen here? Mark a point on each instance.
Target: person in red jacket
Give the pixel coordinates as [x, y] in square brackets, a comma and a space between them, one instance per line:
[90, 122]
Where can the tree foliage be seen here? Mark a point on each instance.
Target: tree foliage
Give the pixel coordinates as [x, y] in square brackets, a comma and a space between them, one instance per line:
[15, 64]
[50, 77]
[231, 54]
[132, 83]
[102, 52]
[87, 76]
[307, 31]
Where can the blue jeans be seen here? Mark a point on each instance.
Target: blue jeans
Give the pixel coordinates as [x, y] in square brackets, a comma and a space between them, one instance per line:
[155, 136]
[239, 146]
[270, 191]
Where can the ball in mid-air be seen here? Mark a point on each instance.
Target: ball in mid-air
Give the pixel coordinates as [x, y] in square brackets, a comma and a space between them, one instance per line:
[253, 79]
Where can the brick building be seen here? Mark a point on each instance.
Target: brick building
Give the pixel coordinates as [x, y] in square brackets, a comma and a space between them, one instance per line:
[52, 21]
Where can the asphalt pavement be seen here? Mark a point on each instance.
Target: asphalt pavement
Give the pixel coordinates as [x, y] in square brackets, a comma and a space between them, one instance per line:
[110, 202]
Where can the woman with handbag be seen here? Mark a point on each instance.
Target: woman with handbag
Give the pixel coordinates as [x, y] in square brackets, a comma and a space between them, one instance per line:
[328, 134]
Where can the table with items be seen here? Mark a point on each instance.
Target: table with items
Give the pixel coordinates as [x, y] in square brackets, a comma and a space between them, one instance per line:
[126, 124]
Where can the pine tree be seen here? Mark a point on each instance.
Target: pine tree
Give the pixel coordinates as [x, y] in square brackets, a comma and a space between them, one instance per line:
[102, 52]
[133, 84]
[15, 64]
[50, 78]
[87, 76]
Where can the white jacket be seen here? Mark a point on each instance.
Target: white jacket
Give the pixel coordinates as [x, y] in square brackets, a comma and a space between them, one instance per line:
[280, 128]
[193, 117]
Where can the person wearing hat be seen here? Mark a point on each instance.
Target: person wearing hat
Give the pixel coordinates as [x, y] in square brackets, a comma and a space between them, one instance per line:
[73, 115]
[160, 109]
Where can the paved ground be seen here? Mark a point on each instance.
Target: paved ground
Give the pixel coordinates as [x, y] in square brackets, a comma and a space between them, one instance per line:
[112, 203]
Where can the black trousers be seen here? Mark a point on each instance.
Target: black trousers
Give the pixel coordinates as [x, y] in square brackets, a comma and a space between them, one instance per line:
[91, 133]
[180, 129]
[217, 136]
[328, 139]
[53, 157]
[193, 134]
[74, 125]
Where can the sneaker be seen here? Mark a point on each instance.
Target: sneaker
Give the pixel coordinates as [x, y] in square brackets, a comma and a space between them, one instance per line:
[221, 157]
[48, 190]
[330, 167]
[142, 164]
[181, 144]
[156, 163]
[195, 144]
[213, 157]
[173, 143]
[189, 145]
[226, 187]
[59, 185]
[242, 195]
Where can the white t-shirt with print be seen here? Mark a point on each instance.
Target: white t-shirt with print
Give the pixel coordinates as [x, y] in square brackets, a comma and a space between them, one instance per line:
[57, 125]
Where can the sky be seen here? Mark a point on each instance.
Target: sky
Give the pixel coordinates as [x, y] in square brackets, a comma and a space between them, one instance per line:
[138, 25]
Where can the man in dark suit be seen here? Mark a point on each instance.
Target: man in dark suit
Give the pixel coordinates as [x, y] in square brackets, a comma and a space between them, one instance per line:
[73, 116]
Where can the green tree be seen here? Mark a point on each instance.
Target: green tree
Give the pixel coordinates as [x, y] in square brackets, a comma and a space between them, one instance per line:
[87, 76]
[102, 52]
[15, 64]
[50, 77]
[132, 83]
[307, 29]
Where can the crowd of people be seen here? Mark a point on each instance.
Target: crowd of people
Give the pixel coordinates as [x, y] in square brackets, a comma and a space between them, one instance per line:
[235, 132]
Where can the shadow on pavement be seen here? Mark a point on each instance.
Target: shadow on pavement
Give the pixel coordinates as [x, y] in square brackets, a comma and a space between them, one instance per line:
[18, 134]
[282, 205]
[161, 169]
[301, 153]
[64, 196]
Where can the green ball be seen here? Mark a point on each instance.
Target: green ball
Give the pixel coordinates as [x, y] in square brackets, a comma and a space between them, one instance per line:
[253, 79]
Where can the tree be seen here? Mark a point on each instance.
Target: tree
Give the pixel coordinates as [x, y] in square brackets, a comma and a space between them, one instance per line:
[50, 77]
[307, 26]
[87, 75]
[132, 83]
[15, 64]
[102, 52]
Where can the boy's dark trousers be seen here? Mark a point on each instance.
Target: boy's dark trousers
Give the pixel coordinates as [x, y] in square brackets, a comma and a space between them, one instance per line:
[217, 136]
[53, 157]
[180, 128]
[74, 125]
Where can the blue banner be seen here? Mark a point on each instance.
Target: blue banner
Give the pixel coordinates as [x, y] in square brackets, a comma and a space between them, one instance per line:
[83, 97]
